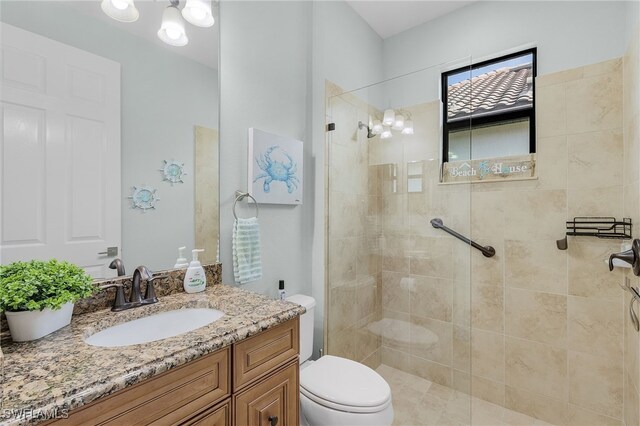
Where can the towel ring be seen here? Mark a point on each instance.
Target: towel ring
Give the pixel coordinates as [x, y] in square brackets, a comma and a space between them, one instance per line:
[241, 196]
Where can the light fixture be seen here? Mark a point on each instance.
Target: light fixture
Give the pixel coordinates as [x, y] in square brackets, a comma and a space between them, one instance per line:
[398, 123]
[389, 117]
[386, 133]
[198, 13]
[377, 127]
[408, 127]
[120, 10]
[172, 29]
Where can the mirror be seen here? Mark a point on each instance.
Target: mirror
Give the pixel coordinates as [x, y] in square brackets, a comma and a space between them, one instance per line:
[110, 140]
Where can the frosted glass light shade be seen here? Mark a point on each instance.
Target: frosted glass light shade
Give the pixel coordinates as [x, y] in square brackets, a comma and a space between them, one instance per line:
[389, 117]
[377, 127]
[386, 133]
[120, 10]
[172, 29]
[408, 128]
[398, 123]
[198, 13]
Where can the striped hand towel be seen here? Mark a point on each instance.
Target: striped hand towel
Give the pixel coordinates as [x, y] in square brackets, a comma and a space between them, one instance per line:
[247, 265]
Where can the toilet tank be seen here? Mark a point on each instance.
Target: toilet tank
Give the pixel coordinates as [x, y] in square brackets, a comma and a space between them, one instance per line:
[306, 324]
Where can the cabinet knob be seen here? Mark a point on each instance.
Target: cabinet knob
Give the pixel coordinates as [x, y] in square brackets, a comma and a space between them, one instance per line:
[273, 420]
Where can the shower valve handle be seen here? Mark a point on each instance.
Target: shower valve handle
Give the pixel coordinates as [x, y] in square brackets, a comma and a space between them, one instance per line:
[631, 256]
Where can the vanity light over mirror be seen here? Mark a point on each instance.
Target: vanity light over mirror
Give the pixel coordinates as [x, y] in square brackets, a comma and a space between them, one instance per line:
[110, 135]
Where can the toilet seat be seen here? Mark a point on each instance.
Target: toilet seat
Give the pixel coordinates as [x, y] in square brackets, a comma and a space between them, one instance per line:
[345, 385]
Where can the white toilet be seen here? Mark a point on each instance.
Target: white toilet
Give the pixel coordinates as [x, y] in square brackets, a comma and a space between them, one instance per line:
[336, 391]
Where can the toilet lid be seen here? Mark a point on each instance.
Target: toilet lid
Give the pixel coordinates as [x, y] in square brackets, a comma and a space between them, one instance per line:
[341, 383]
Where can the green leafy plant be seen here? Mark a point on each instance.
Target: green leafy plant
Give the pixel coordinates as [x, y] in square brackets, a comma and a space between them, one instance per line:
[35, 285]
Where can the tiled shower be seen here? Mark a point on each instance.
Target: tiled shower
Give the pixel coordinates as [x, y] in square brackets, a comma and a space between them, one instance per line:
[534, 330]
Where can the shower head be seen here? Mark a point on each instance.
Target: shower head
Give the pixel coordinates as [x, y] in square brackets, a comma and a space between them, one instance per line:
[370, 134]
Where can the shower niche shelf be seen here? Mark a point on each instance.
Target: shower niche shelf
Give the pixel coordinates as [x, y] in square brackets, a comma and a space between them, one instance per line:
[599, 227]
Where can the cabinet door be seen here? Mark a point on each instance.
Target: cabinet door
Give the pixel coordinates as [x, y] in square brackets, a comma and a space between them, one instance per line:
[272, 401]
[216, 416]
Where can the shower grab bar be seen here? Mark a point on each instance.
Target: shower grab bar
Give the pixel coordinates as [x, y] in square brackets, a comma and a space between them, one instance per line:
[487, 251]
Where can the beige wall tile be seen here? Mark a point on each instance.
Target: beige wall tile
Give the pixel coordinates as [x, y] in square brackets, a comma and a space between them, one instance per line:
[366, 290]
[551, 162]
[595, 326]
[432, 339]
[431, 297]
[374, 360]
[395, 264]
[395, 359]
[589, 276]
[536, 265]
[523, 210]
[342, 314]
[366, 342]
[487, 214]
[536, 367]
[595, 202]
[397, 332]
[430, 370]
[595, 159]
[487, 390]
[395, 291]
[461, 381]
[342, 260]
[487, 355]
[579, 416]
[461, 348]
[535, 405]
[631, 403]
[343, 343]
[536, 316]
[431, 256]
[551, 110]
[487, 270]
[595, 383]
[596, 103]
[462, 303]
[487, 307]
[559, 77]
[605, 67]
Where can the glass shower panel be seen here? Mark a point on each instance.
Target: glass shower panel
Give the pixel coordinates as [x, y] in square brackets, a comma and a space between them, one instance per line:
[398, 289]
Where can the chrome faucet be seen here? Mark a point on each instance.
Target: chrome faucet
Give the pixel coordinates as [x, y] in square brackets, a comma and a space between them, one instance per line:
[135, 296]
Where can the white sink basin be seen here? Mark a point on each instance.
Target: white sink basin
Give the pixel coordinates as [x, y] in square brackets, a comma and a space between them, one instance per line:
[155, 327]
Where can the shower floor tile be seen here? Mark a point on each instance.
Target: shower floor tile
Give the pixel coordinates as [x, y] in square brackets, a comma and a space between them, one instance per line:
[418, 402]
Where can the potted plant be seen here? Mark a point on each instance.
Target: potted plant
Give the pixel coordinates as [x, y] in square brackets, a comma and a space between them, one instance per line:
[38, 296]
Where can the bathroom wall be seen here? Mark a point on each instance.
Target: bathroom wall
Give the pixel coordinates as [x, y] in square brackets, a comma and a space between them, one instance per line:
[567, 34]
[156, 124]
[535, 329]
[265, 65]
[631, 138]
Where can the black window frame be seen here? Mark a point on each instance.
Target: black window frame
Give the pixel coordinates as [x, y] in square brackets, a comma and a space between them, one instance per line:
[491, 119]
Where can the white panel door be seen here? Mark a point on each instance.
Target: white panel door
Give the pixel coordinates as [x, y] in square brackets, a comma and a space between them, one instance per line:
[59, 152]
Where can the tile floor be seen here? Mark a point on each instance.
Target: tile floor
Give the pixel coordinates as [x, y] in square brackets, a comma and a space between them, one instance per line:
[418, 402]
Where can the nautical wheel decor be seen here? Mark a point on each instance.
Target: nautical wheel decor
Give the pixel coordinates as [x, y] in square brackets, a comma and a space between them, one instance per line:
[173, 171]
[144, 197]
[275, 168]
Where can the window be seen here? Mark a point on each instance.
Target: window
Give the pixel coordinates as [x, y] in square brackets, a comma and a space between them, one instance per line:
[489, 108]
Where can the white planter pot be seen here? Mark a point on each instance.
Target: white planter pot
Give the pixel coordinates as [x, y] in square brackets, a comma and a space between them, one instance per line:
[32, 325]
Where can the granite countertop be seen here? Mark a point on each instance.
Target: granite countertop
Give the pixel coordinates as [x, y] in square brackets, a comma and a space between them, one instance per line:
[62, 372]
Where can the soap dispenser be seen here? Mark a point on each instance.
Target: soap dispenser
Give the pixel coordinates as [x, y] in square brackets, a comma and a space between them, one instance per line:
[181, 261]
[195, 279]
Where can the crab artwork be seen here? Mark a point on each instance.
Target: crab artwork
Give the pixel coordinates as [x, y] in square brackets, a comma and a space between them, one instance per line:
[277, 165]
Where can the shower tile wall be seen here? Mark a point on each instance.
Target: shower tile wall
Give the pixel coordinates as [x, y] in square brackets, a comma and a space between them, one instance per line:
[353, 256]
[631, 123]
[535, 329]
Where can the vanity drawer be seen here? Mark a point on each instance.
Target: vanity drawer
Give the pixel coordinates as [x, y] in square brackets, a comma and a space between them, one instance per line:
[165, 399]
[219, 415]
[273, 400]
[258, 355]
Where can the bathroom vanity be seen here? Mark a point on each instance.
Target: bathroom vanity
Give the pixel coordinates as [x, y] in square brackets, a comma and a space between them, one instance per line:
[241, 369]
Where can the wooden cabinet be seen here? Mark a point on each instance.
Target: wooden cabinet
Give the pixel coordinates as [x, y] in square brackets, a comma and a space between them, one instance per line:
[246, 384]
[219, 415]
[270, 402]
